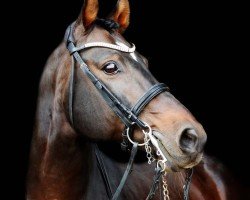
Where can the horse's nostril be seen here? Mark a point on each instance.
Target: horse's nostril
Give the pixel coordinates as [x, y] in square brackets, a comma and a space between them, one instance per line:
[188, 141]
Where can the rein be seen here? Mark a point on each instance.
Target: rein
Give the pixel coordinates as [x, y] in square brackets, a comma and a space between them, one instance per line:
[128, 116]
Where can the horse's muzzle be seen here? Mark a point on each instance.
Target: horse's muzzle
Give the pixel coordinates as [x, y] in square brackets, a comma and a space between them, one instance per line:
[186, 151]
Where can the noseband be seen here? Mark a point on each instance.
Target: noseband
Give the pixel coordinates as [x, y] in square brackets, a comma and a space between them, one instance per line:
[128, 116]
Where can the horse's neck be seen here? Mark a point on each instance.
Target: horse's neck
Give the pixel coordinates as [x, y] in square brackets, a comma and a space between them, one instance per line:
[57, 168]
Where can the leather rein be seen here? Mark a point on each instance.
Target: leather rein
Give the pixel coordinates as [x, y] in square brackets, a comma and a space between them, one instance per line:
[128, 116]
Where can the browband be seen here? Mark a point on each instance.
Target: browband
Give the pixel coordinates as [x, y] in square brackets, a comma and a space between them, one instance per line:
[105, 45]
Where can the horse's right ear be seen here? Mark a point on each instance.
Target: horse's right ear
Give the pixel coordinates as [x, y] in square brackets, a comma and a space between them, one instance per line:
[88, 13]
[121, 14]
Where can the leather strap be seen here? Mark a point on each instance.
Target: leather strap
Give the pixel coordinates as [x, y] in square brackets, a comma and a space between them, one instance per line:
[126, 173]
[103, 171]
[104, 45]
[186, 187]
[155, 184]
[71, 91]
[148, 96]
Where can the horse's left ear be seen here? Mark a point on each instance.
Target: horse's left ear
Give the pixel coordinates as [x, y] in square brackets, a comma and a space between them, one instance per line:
[121, 14]
[89, 12]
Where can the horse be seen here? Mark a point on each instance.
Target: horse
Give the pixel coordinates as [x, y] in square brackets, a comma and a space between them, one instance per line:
[97, 91]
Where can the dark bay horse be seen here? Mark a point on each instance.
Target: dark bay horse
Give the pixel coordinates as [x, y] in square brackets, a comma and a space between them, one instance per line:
[73, 117]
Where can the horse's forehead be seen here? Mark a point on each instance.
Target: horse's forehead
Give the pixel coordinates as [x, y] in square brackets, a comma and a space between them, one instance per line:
[101, 35]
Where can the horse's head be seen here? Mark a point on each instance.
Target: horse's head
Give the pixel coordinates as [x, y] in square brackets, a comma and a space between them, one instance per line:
[181, 137]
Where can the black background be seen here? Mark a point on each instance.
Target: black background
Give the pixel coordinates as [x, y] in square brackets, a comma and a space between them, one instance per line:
[198, 49]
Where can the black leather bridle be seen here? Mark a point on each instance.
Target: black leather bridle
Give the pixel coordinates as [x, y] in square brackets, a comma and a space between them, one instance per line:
[128, 116]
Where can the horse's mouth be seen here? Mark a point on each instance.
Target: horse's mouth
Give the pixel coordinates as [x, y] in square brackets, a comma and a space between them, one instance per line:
[176, 163]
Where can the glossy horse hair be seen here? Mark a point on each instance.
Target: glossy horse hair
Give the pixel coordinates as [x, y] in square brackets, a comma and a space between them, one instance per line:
[63, 164]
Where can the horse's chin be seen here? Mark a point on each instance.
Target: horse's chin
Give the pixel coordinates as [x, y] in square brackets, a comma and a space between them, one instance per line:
[172, 165]
[177, 163]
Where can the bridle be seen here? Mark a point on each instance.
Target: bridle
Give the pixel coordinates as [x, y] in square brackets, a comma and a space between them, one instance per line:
[128, 116]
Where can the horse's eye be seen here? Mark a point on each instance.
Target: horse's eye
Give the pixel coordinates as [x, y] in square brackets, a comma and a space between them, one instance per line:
[110, 68]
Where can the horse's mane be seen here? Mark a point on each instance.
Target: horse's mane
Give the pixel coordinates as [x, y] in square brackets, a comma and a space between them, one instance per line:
[107, 24]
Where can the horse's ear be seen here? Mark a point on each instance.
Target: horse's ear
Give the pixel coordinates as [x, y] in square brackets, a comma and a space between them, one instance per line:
[89, 12]
[121, 14]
